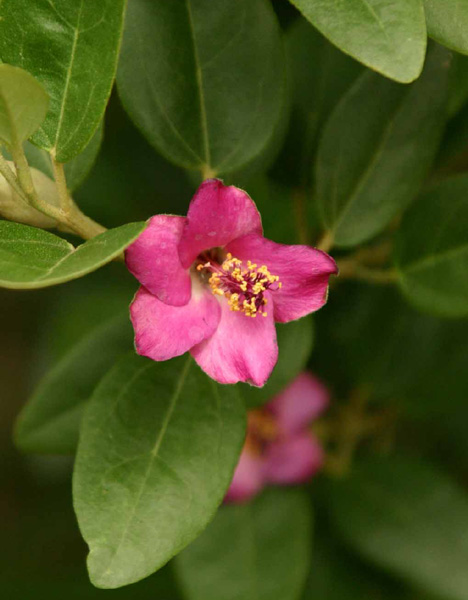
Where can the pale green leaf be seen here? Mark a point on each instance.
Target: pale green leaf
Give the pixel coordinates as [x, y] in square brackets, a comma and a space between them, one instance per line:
[447, 23]
[23, 104]
[72, 47]
[31, 258]
[388, 36]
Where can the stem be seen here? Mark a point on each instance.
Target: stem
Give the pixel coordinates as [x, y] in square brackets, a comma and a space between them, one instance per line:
[10, 177]
[24, 178]
[22, 169]
[66, 203]
[207, 172]
[350, 268]
[68, 215]
[81, 224]
[325, 243]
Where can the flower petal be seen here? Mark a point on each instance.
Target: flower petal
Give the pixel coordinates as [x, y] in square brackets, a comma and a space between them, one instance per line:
[299, 403]
[242, 348]
[247, 480]
[217, 215]
[154, 260]
[303, 273]
[292, 460]
[163, 331]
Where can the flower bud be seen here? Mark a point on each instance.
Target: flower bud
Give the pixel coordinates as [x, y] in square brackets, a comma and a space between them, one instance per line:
[14, 208]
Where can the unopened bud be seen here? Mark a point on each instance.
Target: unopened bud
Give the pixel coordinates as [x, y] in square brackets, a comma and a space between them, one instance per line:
[14, 208]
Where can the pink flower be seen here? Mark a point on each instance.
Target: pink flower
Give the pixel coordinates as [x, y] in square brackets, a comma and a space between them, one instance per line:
[214, 286]
[279, 448]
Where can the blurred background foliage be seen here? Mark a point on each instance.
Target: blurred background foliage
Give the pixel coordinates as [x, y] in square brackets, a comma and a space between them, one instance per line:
[389, 531]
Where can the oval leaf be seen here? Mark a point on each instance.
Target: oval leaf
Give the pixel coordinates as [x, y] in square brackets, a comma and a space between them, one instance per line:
[203, 80]
[23, 104]
[320, 74]
[447, 23]
[31, 258]
[388, 36]
[376, 150]
[158, 447]
[409, 518]
[257, 551]
[72, 48]
[50, 421]
[431, 252]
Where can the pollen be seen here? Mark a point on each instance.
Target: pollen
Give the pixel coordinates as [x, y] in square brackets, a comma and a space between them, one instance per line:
[243, 285]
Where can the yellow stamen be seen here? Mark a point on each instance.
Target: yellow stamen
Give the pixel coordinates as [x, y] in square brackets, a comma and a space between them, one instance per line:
[251, 283]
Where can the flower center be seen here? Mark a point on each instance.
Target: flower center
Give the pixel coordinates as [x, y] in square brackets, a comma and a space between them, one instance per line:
[261, 431]
[243, 286]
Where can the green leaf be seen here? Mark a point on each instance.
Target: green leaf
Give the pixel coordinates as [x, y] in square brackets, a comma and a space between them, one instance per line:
[447, 23]
[320, 74]
[158, 446]
[410, 519]
[410, 360]
[78, 168]
[458, 84]
[376, 150]
[23, 104]
[338, 575]
[50, 421]
[31, 258]
[295, 341]
[256, 551]
[72, 48]
[388, 36]
[431, 251]
[203, 80]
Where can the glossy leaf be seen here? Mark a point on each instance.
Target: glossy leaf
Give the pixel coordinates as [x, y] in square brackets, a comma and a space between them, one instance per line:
[431, 252]
[295, 341]
[31, 258]
[157, 450]
[376, 150]
[388, 36]
[204, 81]
[255, 551]
[447, 23]
[50, 421]
[71, 47]
[409, 518]
[23, 104]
